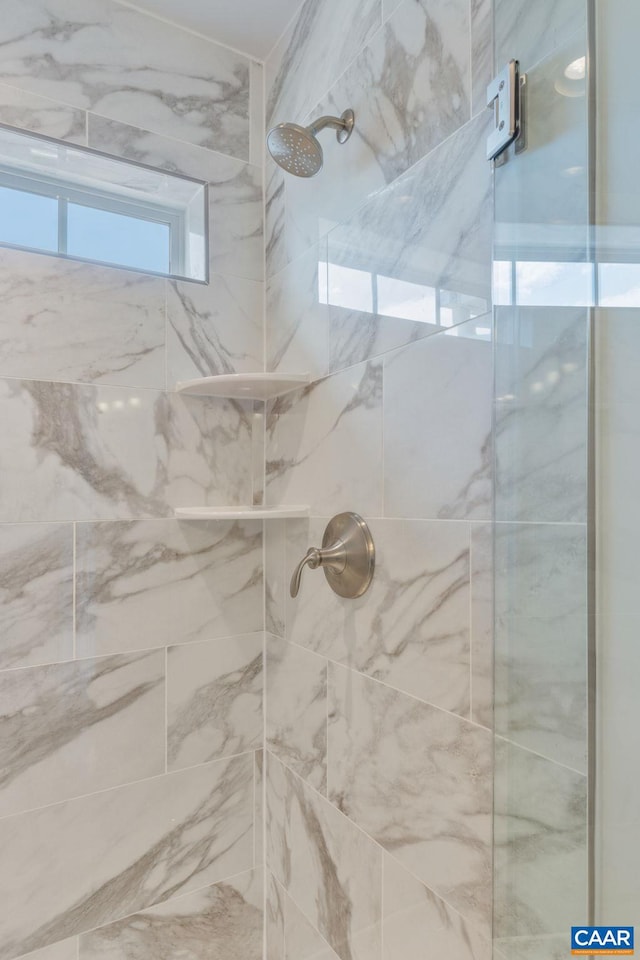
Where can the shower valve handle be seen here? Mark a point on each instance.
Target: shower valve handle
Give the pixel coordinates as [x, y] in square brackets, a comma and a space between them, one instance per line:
[333, 558]
[347, 556]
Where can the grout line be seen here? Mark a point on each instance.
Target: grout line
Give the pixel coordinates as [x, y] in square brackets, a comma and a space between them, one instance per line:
[540, 756]
[166, 709]
[355, 826]
[195, 33]
[128, 783]
[471, 632]
[74, 575]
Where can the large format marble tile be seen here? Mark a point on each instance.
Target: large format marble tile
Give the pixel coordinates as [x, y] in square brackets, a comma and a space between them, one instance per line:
[418, 780]
[68, 729]
[313, 52]
[329, 868]
[296, 716]
[411, 628]
[409, 89]
[214, 328]
[83, 452]
[275, 577]
[36, 596]
[418, 925]
[77, 865]
[297, 316]
[541, 639]
[541, 414]
[19, 108]
[214, 699]
[73, 321]
[540, 845]
[221, 922]
[258, 808]
[125, 65]
[324, 444]
[437, 417]
[159, 582]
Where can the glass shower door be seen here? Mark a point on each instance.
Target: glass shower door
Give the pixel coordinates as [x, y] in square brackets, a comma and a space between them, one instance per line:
[543, 318]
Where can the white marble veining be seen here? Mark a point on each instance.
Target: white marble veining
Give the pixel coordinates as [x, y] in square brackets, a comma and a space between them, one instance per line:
[275, 577]
[441, 425]
[68, 729]
[83, 452]
[540, 845]
[541, 639]
[127, 66]
[80, 864]
[297, 316]
[73, 321]
[274, 919]
[36, 596]
[214, 699]
[324, 444]
[411, 628]
[541, 422]
[296, 727]
[481, 53]
[329, 868]
[214, 329]
[415, 920]
[221, 922]
[314, 50]
[19, 108]
[159, 582]
[418, 780]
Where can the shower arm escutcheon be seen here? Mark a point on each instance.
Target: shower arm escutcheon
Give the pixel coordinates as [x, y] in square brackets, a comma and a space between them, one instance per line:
[347, 557]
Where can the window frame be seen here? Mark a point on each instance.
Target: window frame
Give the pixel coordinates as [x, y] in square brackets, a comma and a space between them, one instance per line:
[103, 199]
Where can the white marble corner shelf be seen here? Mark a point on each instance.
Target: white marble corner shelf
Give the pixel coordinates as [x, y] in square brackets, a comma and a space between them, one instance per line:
[240, 513]
[244, 386]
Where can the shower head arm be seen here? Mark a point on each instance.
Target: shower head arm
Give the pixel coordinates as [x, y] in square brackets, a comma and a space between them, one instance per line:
[344, 125]
[336, 123]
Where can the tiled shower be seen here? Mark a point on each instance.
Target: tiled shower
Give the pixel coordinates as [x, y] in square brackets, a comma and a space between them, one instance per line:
[193, 763]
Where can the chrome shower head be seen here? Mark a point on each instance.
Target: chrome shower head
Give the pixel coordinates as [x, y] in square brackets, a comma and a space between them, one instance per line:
[297, 149]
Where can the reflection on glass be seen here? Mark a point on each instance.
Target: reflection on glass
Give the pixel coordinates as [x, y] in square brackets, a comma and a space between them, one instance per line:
[550, 283]
[407, 301]
[619, 284]
[351, 289]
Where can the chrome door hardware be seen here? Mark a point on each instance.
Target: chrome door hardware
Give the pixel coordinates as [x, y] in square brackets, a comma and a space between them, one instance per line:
[347, 557]
[504, 96]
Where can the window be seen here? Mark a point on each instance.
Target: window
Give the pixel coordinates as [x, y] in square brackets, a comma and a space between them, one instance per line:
[65, 200]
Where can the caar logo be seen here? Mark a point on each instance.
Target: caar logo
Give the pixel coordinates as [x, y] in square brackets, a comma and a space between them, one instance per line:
[593, 941]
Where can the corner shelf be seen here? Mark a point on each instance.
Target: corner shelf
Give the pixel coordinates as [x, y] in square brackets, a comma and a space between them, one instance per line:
[240, 513]
[244, 386]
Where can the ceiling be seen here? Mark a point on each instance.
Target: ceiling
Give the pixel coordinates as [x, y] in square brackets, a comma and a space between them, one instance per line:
[252, 26]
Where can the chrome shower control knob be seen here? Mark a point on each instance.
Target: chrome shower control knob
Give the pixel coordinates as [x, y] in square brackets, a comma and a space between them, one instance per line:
[347, 557]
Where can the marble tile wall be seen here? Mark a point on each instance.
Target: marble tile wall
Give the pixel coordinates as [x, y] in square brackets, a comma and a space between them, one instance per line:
[379, 710]
[131, 643]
